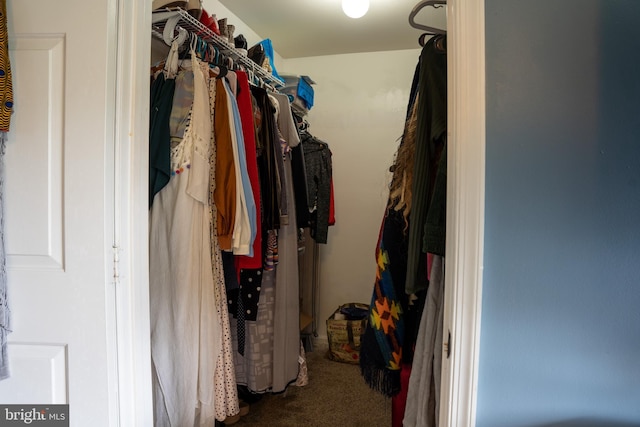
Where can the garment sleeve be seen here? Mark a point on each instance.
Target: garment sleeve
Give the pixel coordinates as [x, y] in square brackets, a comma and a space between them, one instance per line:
[224, 195]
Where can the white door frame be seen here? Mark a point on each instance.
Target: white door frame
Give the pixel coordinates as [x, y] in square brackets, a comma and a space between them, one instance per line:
[131, 231]
[465, 211]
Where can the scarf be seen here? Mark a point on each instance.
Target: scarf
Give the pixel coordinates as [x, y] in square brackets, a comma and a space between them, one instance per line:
[6, 107]
[6, 90]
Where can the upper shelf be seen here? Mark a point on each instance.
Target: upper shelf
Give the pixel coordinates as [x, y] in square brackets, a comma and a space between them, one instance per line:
[191, 24]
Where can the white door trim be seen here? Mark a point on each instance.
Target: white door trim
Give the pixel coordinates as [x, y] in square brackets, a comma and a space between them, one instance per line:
[465, 210]
[131, 247]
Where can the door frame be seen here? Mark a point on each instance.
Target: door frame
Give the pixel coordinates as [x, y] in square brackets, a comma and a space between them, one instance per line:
[130, 111]
[465, 211]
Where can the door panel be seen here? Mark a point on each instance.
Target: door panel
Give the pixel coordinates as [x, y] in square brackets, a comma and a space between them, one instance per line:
[59, 209]
[39, 374]
[34, 207]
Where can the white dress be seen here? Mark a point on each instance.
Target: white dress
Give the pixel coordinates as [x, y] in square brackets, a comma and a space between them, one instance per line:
[185, 327]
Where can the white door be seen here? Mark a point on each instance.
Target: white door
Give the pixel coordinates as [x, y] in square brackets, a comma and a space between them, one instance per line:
[59, 209]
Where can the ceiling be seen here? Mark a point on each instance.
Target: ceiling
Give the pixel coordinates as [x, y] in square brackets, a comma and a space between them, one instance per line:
[299, 28]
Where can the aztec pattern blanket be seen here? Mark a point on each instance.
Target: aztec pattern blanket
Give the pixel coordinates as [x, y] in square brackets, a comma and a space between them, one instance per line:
[381, 351]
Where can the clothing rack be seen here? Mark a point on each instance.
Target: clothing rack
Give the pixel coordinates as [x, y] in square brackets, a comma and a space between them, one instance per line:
[192, 25]
[417, 8]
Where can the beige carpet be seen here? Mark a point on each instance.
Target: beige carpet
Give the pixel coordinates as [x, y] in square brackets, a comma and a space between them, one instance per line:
[335, 396]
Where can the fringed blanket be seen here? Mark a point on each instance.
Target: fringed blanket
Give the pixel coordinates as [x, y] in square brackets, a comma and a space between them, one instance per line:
[381, 352]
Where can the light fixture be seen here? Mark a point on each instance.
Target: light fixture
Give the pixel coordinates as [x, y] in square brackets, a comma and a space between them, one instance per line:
[355, 8]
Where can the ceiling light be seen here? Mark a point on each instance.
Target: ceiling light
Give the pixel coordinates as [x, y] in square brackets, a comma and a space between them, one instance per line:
[355, 8]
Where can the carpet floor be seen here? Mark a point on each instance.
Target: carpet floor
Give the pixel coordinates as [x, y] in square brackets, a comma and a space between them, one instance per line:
[336, 395]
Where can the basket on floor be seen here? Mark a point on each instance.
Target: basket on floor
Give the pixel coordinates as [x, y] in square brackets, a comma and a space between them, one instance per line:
[344, 330]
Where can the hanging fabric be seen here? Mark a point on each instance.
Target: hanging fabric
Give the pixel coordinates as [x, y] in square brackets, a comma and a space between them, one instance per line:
[246, 219]
[226, 392]
[6, 109]
[268, 339]
[245, 107]
[430, 140]
[182, 299]
[423, 398]
[286, 339]
[423, 405]
[162, 91]
[319, 169]
[401, 283]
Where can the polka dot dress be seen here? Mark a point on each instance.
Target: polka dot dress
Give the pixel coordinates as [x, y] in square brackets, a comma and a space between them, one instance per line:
[226, 392]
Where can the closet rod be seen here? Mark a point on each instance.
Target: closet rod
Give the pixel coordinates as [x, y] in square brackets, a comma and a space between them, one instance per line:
[417, 8]
[192, 25]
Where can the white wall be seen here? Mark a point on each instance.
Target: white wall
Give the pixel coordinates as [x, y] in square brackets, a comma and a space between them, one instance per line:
[360, 107]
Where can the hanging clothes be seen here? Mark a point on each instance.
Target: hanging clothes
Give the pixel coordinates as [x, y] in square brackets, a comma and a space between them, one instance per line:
[423, 402]
[226, 392]
[245, 220]
[270, 177]
[400, 290]
[6, 82]
[185, 329]
[245, 107]
[162, 90]
[5, 312]
[318, 167]
[423, 405]
[381, 350]
[286, 338]
[301, 194]
[382, 356]
[268, 346]
[223, 240]
[225, 197]
[430, 140]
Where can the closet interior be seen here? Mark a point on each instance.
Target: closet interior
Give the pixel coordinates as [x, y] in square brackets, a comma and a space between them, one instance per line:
[401, 353]
[242, 197]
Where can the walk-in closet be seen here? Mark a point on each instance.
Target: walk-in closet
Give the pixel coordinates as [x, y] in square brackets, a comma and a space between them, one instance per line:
[214, 226]
[443, 234]
[284, 188]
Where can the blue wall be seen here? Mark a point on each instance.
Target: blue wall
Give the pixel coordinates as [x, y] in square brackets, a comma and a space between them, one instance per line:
[560, 340]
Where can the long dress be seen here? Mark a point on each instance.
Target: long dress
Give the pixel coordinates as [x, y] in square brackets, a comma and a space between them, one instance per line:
[286, 336]
[226, 397]
[185, 328]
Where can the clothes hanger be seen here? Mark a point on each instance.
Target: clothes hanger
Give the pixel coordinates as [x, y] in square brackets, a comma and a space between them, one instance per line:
[417, 8]
[192, 46]
[169, 29]
[219, 63]
[441, 42]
